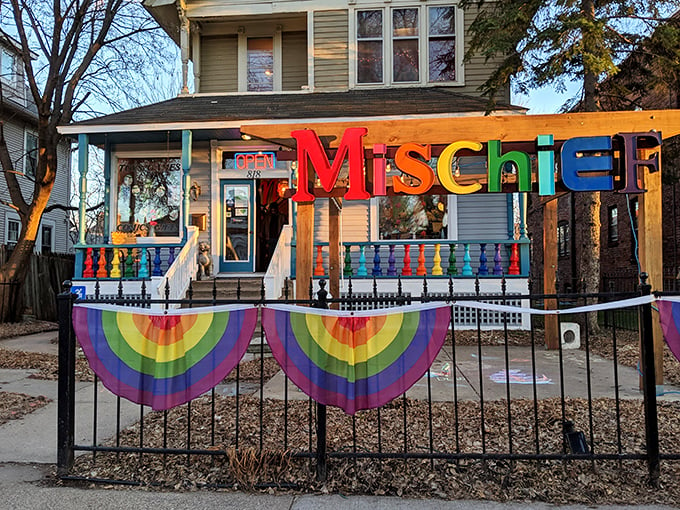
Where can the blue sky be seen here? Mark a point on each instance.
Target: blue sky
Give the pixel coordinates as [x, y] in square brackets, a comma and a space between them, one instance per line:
[545, 99]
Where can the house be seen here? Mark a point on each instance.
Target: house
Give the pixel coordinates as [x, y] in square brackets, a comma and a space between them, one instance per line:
[20, 120]
[187, 171]
[638, 86]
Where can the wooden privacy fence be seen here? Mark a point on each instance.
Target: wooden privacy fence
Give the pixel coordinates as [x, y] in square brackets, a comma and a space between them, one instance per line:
[43, 282]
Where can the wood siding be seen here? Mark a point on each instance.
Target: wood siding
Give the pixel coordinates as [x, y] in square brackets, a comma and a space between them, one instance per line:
[294, 57]
[355, 223]
[331, 50]
[219, 64]
[200, 174]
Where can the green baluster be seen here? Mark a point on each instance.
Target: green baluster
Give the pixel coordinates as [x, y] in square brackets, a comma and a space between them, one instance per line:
[129, 264]
[452, 270]
[347, 271]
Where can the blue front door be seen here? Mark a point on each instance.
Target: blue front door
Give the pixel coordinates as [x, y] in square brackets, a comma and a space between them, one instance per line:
[238, 220]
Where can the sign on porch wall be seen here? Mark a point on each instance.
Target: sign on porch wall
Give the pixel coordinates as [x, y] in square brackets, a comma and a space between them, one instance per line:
[586, 164]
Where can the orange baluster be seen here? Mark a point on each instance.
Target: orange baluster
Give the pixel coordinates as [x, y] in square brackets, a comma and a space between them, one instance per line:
[318, 270]
[88, 272]
[420, 270]
[406, 270]
[101, 272]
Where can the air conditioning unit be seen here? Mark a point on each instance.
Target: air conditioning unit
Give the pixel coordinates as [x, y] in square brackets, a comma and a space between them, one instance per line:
[570, 335]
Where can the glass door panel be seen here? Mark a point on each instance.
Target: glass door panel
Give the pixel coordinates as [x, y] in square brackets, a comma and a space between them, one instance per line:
[237, 232]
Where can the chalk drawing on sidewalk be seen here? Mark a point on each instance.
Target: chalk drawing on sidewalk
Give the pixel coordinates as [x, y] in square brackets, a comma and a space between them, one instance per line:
[515, 376]
[443, 374]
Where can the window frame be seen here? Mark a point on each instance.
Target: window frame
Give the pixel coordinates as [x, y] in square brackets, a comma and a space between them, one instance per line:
[612, 226]
[563, 238]
[12, 218]
[277, 54]
[423, 45]
[27, 157]
[45, 223]
[13, 75]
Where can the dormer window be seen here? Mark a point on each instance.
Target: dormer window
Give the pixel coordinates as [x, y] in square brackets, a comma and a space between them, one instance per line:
[408, 45]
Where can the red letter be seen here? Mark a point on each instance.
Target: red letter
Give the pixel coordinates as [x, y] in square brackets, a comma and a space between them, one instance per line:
[309, 147]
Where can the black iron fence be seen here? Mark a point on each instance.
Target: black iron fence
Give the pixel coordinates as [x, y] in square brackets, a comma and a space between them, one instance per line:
[489, 396]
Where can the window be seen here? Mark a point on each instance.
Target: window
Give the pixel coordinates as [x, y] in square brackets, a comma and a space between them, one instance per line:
[7, 66]
[406, 45]
[563, 239]
[13, 229]
[260, 55]
[634, 207]
[149, 190]
[31, 154]
[46, 239]
[412, 217]
[613, 225]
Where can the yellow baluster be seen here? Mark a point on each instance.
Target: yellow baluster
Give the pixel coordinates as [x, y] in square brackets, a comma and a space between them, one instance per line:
[437, 267]
[115, 264]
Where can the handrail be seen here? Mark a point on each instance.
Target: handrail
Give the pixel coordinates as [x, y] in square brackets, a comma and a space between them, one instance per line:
[279, 265]
[183, 269]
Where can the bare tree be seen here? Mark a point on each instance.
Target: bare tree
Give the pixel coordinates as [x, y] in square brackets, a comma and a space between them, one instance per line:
[91, 54]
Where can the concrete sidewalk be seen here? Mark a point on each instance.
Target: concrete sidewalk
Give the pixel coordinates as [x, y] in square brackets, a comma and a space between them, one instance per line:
[28, 445]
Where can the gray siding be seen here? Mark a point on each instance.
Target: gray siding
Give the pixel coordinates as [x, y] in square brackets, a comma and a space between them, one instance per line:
[483, 216]
[331, 60]
[355, 221]
[294, 68]
[219, 63]
[200, 174]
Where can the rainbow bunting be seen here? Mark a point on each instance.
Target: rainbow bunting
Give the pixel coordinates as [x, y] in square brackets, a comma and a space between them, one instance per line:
[669, 315]
[355, 360]
[163, 359]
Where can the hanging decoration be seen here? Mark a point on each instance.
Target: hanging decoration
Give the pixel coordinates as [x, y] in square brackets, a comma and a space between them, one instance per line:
[163, 359]
[669, 315]
[355, 360]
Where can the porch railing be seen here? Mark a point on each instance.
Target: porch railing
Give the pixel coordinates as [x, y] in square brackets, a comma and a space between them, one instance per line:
[429, 257]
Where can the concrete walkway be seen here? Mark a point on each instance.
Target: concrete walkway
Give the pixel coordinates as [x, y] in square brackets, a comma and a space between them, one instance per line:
[28, 445]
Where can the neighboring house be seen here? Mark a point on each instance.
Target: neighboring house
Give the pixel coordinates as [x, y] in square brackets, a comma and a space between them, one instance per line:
[185, 161]
[20, 120]
[637, 86]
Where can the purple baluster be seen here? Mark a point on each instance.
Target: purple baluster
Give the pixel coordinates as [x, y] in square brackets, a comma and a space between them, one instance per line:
[171, 256]
[377, 270]
[497, 261]
[391, 263]
[157, 262]
[483, 269]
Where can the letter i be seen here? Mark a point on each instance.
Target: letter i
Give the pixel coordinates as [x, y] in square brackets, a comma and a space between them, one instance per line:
[546, 164]
[379, 169]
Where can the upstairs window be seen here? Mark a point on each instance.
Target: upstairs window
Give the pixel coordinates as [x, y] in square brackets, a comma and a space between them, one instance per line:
[47, 239]
[260, 55]
[613, 225]
[31, 154]
[563, 237]
[407, 45]
[8, 66]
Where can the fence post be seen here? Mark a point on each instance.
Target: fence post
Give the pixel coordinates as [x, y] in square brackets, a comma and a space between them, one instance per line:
[321, 421]
[66, 384]
[649, 384]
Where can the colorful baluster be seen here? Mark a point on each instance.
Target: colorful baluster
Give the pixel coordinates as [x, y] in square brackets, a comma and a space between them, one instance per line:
[318, 269]
[88, 272]
[467, 268]
[362, 271]
[514, 260]
[497, 261]
[420, 270]
[129, 264]
[437, 261]
[483, 268]
[391, 261]
[157, 262]
[101, 270]
[115, 264]
[144, 264]
[347, 270]
[452, 269]
[377, 270]
[406, 270]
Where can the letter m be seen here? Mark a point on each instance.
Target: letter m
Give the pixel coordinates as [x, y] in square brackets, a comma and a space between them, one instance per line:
[310, 150]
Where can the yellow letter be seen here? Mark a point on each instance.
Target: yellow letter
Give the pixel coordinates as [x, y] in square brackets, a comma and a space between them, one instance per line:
[444, 168]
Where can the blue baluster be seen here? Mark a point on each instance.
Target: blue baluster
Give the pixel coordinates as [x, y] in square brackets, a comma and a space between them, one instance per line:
[467, 268]
[362, 271]
[157, 262]
[497, 261]
[391, 263]
[483, 268]
[144, 264]
[377, 270]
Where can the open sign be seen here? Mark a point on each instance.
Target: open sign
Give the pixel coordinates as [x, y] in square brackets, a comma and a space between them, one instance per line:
[255, 161]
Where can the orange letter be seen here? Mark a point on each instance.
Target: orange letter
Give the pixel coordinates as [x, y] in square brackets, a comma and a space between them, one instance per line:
[413, 167]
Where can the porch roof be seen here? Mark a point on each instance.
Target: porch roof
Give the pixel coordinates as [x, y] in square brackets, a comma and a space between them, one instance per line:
[212, 116]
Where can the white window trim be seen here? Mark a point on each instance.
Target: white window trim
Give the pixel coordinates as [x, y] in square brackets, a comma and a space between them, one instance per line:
[243, 35]
[423, 30]
[113, 182]
[25, 155]
[11, 216]
[38, 242]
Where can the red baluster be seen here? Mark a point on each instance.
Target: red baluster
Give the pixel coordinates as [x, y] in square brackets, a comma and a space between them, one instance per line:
[88, 272]
[406, 270]
[514, 260]
[420, 270]
[318, 270]
[101, 272]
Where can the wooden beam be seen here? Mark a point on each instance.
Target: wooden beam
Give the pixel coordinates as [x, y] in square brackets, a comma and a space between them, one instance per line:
[650, 248]
[304, 251]
[507, 128]
[552, 333]
[334, 218]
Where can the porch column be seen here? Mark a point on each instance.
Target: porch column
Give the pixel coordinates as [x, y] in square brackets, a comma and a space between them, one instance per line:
[524, 248]
[107, 192]
[186, 178]
[83, 162]
[184, 46]
[552, 334]
[304, 249]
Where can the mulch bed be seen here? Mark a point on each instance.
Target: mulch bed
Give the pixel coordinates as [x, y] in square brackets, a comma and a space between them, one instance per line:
[16, 405]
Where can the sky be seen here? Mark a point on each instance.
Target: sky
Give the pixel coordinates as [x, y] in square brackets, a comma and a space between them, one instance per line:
[545, 99]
